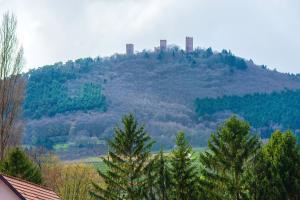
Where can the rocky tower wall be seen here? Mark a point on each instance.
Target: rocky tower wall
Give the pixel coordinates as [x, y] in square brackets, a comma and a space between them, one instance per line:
[129, 49]
[163, 45]
[189, 44]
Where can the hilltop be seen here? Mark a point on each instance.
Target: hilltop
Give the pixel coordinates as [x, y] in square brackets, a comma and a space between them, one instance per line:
[72, 107]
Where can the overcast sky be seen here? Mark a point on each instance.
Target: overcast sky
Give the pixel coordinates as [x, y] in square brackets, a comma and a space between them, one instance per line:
[267, 31]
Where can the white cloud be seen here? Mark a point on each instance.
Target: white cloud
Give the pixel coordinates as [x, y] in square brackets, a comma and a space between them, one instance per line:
[55, 30]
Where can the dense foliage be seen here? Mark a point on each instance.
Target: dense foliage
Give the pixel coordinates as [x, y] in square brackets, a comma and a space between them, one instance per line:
[229, 59]
[261, 110]
[70, 181]
[236, 166]
[202, 56]
[275, 172]
[47, 93]
[18, 164]
[225, 165]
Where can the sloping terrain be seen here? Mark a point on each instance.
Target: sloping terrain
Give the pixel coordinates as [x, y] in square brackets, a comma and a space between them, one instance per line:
[160, 88]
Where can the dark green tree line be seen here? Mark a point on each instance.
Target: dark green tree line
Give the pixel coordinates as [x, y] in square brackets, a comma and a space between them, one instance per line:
[236, 166]
[47, 94]
[261, 110]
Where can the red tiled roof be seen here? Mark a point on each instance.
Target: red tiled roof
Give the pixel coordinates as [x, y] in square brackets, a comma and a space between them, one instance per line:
[28, 191]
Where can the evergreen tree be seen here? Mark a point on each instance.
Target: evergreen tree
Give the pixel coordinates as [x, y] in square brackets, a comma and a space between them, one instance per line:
[276, 171]
[158, 179]
[263, 181]
[183, 171]
[224, 165]
[149, 189]
[208, 52]
[127, 161]
[18, 164]
[163, 177]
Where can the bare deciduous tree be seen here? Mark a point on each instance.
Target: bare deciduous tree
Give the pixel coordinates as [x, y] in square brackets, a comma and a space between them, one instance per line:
[11, 82]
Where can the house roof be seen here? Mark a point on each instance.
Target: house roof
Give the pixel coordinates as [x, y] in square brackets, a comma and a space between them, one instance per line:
[28, 191]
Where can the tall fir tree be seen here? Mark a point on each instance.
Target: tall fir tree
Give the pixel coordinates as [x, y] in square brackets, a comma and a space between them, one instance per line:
[18, 164]
[225, 163]
[149, 189]
[276, 171]
[159, 184]
[127, 162]
[163, 177]
[184, 173]
[263, 181]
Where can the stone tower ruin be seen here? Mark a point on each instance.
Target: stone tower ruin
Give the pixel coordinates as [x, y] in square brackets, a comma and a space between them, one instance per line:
[163, 45]
[189, 44]
[129, 49]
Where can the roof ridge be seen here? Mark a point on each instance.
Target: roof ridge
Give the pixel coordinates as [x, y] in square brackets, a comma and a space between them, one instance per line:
[33, 190]
[28, 182]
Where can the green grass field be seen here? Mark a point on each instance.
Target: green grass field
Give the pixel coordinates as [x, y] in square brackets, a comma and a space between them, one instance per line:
[61, 147]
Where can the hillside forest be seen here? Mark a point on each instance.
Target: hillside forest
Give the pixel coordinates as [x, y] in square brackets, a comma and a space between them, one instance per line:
[276, 110]
[99, 88]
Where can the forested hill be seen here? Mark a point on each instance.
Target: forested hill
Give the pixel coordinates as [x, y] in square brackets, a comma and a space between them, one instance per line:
[72, 107]
[278, 110]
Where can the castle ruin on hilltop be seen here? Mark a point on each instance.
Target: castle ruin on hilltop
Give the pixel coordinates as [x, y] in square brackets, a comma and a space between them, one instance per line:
[129, 49]
[163, 46]
[189, 44]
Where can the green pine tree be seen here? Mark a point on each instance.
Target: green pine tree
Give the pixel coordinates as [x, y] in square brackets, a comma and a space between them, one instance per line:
[18, 164]
[184, 173]
[276, 171]
[149, 189]
[158, 179]
[127, 161]
[163, 177]
[224, 164]
[263, 181]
